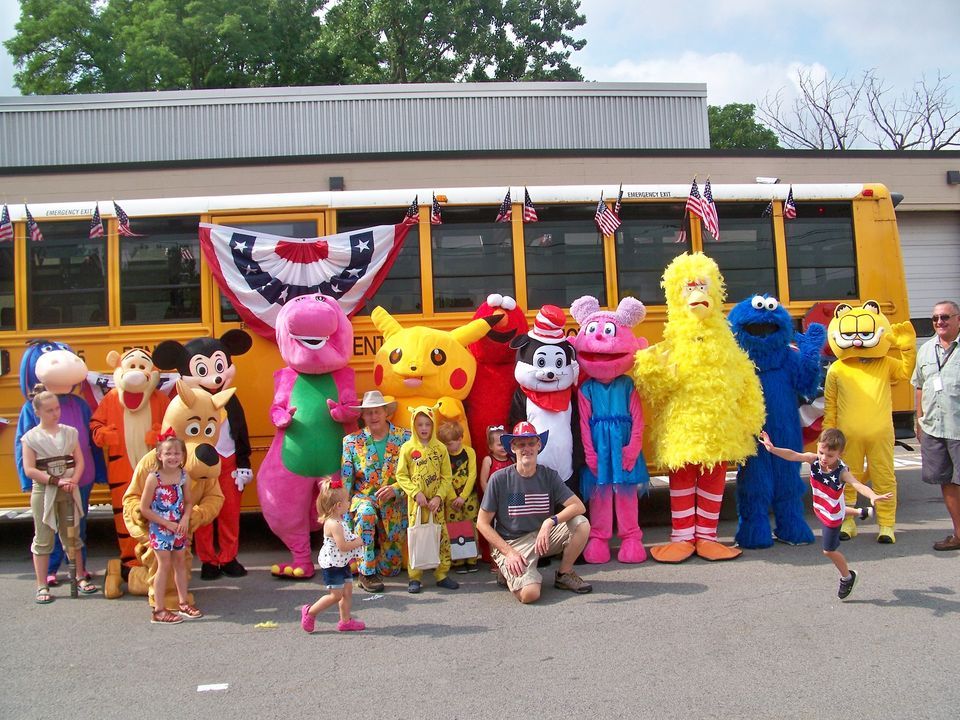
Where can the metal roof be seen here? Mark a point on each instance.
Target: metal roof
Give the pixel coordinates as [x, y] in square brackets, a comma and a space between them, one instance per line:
[357, 120]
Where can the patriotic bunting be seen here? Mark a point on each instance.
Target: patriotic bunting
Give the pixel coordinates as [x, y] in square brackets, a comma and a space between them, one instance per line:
[435, 218]
[33, 230]
[6, 227]
[260, 272]
[123, 222]
[505, 209]
[529, 211]
[96, 224]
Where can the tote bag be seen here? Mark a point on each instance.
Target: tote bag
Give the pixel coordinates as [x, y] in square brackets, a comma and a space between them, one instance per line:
[423, 544]
[463, 541]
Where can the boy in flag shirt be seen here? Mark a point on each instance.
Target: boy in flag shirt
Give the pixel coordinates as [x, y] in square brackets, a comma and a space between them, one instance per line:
[828, 477]
[517, 518]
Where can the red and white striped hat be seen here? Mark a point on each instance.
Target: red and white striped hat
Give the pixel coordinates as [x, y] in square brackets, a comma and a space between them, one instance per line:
[548, 325]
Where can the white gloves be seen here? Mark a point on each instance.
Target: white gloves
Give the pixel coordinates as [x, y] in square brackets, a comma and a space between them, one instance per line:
[242, 476]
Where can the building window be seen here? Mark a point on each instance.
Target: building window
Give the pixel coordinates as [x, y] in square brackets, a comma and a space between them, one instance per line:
[160, 272]
[564, 256]
[66, 277]
[647, 242]
[745, 251]
[283, 228]
[472, 257]
[401, 291]
[8, 320]
[821, 254]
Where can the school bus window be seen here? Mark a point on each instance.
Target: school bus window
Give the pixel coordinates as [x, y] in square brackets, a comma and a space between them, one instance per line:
[160, 272]
[401, 291]
[745, 251]
[821, 254]
[66, 279]
[472, 257]
[646, 244]
[564, 256]
[7, 308]
[284, 228]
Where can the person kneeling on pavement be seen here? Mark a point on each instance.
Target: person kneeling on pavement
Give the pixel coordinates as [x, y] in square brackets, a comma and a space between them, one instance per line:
[517, 519]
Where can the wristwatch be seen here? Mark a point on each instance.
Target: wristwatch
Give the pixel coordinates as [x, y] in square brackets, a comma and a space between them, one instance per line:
[556, 520]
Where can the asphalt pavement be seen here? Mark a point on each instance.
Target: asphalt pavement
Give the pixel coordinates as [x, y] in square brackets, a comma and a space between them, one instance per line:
[763, 636]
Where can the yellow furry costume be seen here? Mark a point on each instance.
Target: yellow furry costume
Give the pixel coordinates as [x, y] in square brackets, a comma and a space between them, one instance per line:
[705, 405]
[425, 366]
[858, 400]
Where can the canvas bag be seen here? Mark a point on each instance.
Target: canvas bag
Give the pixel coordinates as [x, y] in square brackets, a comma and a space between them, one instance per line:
[463, 540]
[423, 544]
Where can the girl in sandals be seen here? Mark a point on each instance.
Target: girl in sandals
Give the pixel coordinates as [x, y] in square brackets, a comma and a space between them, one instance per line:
[166, 503]
[52, 459]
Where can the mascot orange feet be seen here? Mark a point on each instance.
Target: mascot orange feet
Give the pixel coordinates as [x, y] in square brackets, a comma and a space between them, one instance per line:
[675, 552]
[712, 550]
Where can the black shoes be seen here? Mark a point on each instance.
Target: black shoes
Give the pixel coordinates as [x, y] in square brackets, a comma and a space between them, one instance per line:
[233, 569]
[847, 586]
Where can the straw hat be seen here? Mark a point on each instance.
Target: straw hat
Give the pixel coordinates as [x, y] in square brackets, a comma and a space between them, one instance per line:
[375, 399]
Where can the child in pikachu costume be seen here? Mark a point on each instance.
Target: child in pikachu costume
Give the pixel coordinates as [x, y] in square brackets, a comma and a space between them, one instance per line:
[858, 400]
[425, 366]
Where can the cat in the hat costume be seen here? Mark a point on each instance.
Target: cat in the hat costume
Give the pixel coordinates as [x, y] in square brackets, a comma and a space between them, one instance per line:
[547, 372]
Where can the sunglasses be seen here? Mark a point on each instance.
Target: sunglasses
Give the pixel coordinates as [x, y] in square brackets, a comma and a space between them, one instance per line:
[942, 318]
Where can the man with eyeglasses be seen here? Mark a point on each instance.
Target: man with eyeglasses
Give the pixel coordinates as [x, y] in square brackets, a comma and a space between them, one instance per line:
[937, 380]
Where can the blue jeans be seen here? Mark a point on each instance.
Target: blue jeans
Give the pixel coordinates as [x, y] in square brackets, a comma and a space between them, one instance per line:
[58, 557]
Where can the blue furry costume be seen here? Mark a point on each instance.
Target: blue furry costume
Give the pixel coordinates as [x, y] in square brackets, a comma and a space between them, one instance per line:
[765, 331]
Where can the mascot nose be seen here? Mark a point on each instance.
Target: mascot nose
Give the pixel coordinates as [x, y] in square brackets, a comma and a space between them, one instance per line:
[218, 381]
[207, 454]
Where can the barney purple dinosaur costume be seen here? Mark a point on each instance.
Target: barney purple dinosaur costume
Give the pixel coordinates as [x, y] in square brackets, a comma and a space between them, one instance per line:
[611, 424]
[311, 410]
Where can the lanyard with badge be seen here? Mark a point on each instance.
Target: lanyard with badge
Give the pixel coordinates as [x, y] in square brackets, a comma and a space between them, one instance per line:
[938, 380]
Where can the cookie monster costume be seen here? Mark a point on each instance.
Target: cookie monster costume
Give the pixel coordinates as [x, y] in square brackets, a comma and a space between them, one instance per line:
[764, 329]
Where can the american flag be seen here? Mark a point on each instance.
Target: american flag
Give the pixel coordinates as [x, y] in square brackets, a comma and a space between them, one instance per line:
[185, 254]
[505, 210]
[33, 230]
[709, 215]
[6, 227]
[527, 504]
[412, 216]
[96, 224]
[123, 223]
[768, 210]
[529, 211]
[616, 206]
[694, 206]
[607, 222]
[789, 207]
[435, 218]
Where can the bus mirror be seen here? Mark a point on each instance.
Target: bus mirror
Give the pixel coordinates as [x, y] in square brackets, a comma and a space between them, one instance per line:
[4, 362]
[896, 198]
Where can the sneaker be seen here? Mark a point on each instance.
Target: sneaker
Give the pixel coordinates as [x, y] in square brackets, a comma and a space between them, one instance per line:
[189, 611]
[847, 586]
[371, 583]
[461, 570]
[351, 625]
[413, 587]
[448, 583]
[572, 582]
[472, 568]
[307, 621]
[866, 513]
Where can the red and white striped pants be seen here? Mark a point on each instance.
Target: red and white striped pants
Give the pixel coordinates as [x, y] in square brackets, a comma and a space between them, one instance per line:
[696, 494]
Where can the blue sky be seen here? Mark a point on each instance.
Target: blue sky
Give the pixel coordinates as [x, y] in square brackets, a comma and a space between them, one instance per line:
[742, 49]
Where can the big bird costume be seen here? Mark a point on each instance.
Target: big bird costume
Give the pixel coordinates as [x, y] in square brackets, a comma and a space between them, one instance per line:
[705, 403]
[857, 400]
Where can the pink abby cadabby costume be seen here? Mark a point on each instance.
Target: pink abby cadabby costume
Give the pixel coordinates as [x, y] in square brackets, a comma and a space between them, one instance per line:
[611, 425]
[312, 408]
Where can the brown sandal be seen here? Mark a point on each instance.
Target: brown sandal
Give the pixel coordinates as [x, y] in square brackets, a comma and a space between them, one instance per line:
[189, 611]
[165, 617]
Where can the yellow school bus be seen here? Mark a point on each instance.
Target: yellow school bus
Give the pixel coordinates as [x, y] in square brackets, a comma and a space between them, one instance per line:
[116, 292]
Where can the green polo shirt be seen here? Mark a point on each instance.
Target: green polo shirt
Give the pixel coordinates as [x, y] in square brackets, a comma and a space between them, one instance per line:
[941, 408]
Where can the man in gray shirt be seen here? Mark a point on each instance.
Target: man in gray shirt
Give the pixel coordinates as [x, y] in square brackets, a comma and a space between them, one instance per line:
[517, 519]
[937, 380]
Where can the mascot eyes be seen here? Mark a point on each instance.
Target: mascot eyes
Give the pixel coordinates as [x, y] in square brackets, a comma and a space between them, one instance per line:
[193, 429]
[46, 348]
[610, 329]
[761, 303]
[771, 304]
[559, 363]
[757, 302]
[591, 327]
[201, 370]
[395, 356]
[220, 367]
[438, 356]
[210, 430]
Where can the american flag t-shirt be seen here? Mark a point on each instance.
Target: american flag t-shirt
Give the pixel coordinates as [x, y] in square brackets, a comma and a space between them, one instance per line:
[519, 504]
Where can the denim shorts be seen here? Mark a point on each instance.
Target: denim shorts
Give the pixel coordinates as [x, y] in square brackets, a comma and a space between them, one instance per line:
[335, 577]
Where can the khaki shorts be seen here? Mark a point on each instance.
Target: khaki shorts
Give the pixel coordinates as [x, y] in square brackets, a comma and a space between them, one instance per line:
[526, 546]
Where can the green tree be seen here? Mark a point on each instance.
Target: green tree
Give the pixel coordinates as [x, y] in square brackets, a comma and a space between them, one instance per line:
[734, 127]
[83, 46]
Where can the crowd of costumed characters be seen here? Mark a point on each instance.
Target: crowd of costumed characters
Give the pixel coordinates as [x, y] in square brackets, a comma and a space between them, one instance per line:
[611, 404]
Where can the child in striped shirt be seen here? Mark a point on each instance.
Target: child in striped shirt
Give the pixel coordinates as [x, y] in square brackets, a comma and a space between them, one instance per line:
[828, 476]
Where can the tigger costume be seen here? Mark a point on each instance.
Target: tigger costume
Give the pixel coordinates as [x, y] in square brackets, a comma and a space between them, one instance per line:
[126, 424]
